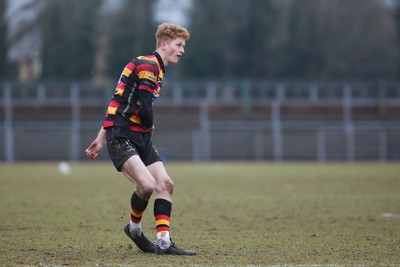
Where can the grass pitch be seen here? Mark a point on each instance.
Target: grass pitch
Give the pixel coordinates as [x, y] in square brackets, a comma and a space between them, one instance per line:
[232, 214]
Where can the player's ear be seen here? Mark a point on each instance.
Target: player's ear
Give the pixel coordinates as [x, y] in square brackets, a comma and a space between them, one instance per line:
[163, 44]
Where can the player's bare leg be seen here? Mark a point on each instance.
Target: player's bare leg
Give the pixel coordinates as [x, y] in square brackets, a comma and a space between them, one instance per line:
[162, 211]
[137, 173]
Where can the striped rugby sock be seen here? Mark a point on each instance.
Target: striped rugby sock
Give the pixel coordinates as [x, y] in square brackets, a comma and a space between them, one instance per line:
[138, 206]
[162, 214]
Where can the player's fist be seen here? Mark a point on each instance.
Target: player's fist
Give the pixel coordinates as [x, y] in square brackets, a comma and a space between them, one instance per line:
[94, 150]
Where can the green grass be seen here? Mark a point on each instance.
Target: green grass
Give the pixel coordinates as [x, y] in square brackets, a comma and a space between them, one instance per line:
[232, 214]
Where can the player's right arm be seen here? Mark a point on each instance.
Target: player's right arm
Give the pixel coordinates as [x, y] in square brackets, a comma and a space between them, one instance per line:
[96, 147]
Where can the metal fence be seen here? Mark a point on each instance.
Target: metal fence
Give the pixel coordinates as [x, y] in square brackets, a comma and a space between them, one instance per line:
[235, 120]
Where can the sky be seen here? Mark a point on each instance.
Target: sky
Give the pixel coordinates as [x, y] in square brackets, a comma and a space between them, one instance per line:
[172, 11]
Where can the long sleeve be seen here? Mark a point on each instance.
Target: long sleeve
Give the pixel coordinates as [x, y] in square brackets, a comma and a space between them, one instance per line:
[146, 108]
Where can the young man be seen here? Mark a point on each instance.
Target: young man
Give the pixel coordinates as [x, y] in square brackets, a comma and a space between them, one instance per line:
[127, 130]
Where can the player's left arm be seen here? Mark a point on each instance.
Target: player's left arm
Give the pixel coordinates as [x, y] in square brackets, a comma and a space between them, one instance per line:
[146, 108]
[148, 76]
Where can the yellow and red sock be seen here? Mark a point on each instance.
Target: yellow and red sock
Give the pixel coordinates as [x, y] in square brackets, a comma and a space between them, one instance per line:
[162, 223]
[162, 214]
[138, 206]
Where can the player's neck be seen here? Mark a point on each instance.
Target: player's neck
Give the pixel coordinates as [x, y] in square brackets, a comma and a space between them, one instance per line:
[163, 57]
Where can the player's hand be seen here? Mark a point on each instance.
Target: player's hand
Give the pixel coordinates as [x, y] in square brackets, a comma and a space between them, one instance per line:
[94, 150]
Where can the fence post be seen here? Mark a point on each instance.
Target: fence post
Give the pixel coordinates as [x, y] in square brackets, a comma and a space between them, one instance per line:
[75, 123]
[382, 145]
[205, 131]
[347, 122]
[246, 97]
[211, 92]
[8, 124]
[276, 122]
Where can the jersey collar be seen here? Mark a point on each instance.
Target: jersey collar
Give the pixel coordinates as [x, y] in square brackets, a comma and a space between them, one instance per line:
[159, 60]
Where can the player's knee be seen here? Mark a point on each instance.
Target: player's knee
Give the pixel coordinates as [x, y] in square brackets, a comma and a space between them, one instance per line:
[168, 185]
[165, 185]
[146, 189]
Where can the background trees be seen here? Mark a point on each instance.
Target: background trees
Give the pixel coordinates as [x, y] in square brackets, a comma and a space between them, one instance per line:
[90, 39]
[130, 33]
[231, 39]
[68, 32]
[309, 39]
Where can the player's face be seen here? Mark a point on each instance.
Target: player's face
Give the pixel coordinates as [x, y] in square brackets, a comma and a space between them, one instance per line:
[174, 50]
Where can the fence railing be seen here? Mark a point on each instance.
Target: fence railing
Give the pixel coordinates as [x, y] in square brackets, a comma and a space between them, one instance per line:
[60, 119]
[212, 92]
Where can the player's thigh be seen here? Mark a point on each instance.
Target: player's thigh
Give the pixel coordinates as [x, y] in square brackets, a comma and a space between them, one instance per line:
[160, 175]
[135, 170]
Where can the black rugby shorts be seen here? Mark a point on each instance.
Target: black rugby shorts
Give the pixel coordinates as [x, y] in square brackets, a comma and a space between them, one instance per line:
[123, 143]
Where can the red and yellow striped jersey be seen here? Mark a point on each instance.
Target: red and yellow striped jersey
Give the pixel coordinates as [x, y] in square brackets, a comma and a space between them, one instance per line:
[142, 73]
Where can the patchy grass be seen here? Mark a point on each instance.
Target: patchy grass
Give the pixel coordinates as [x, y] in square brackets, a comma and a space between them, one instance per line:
[232, 214]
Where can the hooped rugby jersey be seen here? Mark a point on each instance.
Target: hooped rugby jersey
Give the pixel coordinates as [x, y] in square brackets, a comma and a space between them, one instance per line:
[142, 73]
